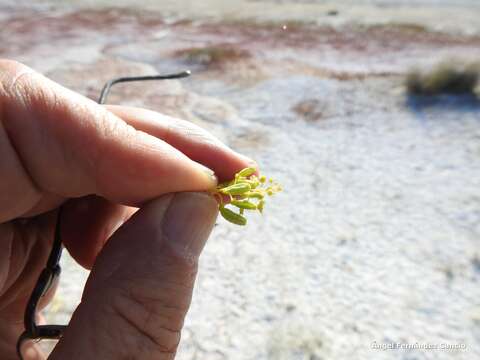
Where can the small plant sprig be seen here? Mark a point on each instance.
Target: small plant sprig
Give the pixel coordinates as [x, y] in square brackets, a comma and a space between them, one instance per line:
[245, 192]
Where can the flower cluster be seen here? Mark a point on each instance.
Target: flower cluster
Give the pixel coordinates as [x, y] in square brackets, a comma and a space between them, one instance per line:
[245, 192]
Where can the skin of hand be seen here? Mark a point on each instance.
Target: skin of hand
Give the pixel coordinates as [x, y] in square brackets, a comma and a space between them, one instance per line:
[103, 162]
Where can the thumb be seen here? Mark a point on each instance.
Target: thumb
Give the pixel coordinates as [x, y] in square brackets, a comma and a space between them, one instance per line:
[140, 287]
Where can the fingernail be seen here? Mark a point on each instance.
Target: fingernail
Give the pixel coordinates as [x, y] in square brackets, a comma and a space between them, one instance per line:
[210, 174]
[188, 223]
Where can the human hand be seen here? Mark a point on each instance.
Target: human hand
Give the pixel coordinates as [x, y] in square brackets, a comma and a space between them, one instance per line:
[59, 147]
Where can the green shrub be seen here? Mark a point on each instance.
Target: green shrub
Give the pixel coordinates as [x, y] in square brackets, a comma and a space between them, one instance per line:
[445, 78]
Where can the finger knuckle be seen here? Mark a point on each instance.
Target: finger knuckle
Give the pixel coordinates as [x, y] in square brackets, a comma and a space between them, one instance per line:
[10, 65]
[23, 86]
[12, 75]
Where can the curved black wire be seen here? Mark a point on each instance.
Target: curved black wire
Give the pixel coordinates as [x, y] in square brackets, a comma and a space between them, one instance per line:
[108, 85]
[52, 269]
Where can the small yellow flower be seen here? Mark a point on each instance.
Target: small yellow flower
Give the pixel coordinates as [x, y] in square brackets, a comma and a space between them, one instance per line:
[246, 192]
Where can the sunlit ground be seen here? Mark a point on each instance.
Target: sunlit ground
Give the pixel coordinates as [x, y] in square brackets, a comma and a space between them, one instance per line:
[375, 238]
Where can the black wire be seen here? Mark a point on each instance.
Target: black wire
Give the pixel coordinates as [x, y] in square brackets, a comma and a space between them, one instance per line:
[108, 85]
[52, 269]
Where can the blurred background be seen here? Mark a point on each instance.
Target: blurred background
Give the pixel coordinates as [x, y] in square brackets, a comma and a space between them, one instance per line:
[367, 112]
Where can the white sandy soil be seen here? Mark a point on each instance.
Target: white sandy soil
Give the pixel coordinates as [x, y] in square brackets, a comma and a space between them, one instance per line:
[375, 239]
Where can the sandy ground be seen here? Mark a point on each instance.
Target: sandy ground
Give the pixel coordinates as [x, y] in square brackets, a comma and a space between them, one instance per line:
[376, 237]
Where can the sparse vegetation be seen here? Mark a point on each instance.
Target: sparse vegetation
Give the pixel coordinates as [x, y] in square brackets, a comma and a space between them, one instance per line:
[213, 56]
[446, 78]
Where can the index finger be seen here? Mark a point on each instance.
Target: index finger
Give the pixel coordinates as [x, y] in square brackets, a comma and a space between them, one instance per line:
[61, 143]
[193, 141]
